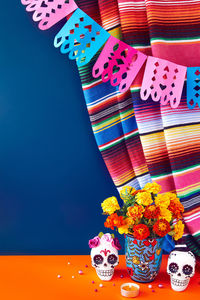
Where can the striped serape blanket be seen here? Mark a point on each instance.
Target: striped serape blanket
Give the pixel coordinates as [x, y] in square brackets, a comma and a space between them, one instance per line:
[143, 141]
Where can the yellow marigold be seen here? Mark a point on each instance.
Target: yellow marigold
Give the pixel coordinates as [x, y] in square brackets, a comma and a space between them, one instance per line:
[165, 214]
[153, 187]
[129, 221]
[143, 198]
[110, 205]
[135, 212]
[162, 200]
[126, 191]
[172, 196]
[179, 230]
[123, 229]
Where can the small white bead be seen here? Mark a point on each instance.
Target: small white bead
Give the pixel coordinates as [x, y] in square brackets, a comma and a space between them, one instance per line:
[72, 276]
[160, 286]
[150, 286]
[68, 263]
[101, 285]
[59, 276]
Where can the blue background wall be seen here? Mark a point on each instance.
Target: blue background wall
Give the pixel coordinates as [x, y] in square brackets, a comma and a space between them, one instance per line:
[52, 176]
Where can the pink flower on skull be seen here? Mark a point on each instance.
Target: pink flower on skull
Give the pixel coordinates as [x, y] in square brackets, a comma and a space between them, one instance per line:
[116, 244]
[107, 237]
[95, 242]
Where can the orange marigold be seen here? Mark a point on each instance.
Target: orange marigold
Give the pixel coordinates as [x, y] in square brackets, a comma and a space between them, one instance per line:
[176, 207]
[114, 221]
[141, 231]
[108, 223]
[135, 212]
[151, 212]
[161, 227]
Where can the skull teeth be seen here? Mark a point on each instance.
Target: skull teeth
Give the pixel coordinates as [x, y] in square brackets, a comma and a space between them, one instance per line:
[179, 282]
[105, 272]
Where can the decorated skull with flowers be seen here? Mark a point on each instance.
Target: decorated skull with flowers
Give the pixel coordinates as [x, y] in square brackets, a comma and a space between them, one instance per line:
[104, 254]
[145, 213]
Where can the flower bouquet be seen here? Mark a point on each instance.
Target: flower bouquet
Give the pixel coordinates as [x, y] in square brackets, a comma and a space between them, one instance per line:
[145, 218]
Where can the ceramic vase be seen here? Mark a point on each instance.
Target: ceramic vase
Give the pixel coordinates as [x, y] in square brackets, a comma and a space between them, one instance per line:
[143, 258]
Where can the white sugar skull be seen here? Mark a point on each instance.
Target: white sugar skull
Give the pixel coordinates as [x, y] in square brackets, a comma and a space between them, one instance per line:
[180, 267]
[104, 255]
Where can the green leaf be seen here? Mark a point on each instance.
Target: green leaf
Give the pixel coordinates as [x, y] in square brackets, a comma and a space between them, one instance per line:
[171, 233]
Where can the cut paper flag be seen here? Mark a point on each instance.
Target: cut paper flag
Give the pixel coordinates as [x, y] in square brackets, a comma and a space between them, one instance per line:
[81, 37]
[193, 87]
[163, 81]
[119, 63]
[49, 12]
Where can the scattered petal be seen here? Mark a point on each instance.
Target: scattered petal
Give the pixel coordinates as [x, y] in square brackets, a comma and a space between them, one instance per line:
[93, 281]
[68, 263]
[150, 286]
[121, 276]
[80, 272]
[73, 276]
[86, 266]
[96, 290]
[101, 285]
[160, 286]
[153, 291]
[113, 284]
[58, 276]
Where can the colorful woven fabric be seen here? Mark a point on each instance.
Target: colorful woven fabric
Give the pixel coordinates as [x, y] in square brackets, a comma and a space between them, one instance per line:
[111, 112]
[171, 138]
[143, 141]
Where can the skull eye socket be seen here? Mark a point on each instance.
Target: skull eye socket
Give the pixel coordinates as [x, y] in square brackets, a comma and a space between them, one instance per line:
[98, 259]
[187, 269]
[112, 259]
[173, 267]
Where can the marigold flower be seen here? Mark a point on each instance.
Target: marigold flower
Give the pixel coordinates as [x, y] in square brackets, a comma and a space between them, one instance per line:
[161, 227]
[143, 198]
[151, 212]
[135, 212]
[117, 220]
[114, 221]
[176, 207]
[153, 187]
[109, 223]
[110, 205]
[162, 200]
[172, 196]
[141, 231]
[127, 222]
[123, 229]
[165, 214]
[126, 191]
[137, 191]
[179, 230]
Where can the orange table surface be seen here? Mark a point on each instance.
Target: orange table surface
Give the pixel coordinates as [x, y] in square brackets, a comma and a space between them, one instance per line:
[35, 277]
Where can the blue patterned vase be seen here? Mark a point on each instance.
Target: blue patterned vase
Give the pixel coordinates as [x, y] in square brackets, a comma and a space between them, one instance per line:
[143, 258]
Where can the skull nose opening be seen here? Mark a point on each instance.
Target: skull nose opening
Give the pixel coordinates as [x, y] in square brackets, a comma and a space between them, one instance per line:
[179, 274]
[105, 265]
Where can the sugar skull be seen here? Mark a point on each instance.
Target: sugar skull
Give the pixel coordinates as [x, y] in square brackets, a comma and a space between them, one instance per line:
[104, 255]
[180, 267]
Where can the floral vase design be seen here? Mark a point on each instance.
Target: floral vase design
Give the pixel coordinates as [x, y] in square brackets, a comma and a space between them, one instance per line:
[143, 258]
